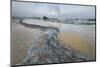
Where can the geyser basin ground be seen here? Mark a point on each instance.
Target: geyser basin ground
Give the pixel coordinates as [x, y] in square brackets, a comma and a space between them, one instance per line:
[79, 37]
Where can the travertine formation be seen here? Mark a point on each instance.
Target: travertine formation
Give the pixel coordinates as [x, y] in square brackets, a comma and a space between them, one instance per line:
[51, 51]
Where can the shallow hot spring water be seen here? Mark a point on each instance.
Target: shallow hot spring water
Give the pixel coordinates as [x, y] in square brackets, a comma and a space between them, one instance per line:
[80, 37]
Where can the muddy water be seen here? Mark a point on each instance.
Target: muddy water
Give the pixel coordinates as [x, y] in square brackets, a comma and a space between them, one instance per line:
[22, 39]
[80, 37]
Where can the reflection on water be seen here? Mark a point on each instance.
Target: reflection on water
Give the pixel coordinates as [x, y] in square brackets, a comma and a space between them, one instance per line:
[80, 37]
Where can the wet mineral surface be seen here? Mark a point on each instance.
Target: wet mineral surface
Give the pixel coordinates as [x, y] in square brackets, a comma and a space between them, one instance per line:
[38, 44]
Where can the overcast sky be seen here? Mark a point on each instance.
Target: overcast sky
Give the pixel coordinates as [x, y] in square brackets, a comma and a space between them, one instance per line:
[30, 9]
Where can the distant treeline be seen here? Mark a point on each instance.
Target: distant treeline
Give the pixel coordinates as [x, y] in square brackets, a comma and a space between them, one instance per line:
[47, 18]
[92, 19]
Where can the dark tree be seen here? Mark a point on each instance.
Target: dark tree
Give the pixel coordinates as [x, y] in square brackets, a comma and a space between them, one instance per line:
[76, 19]
[45, 18]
